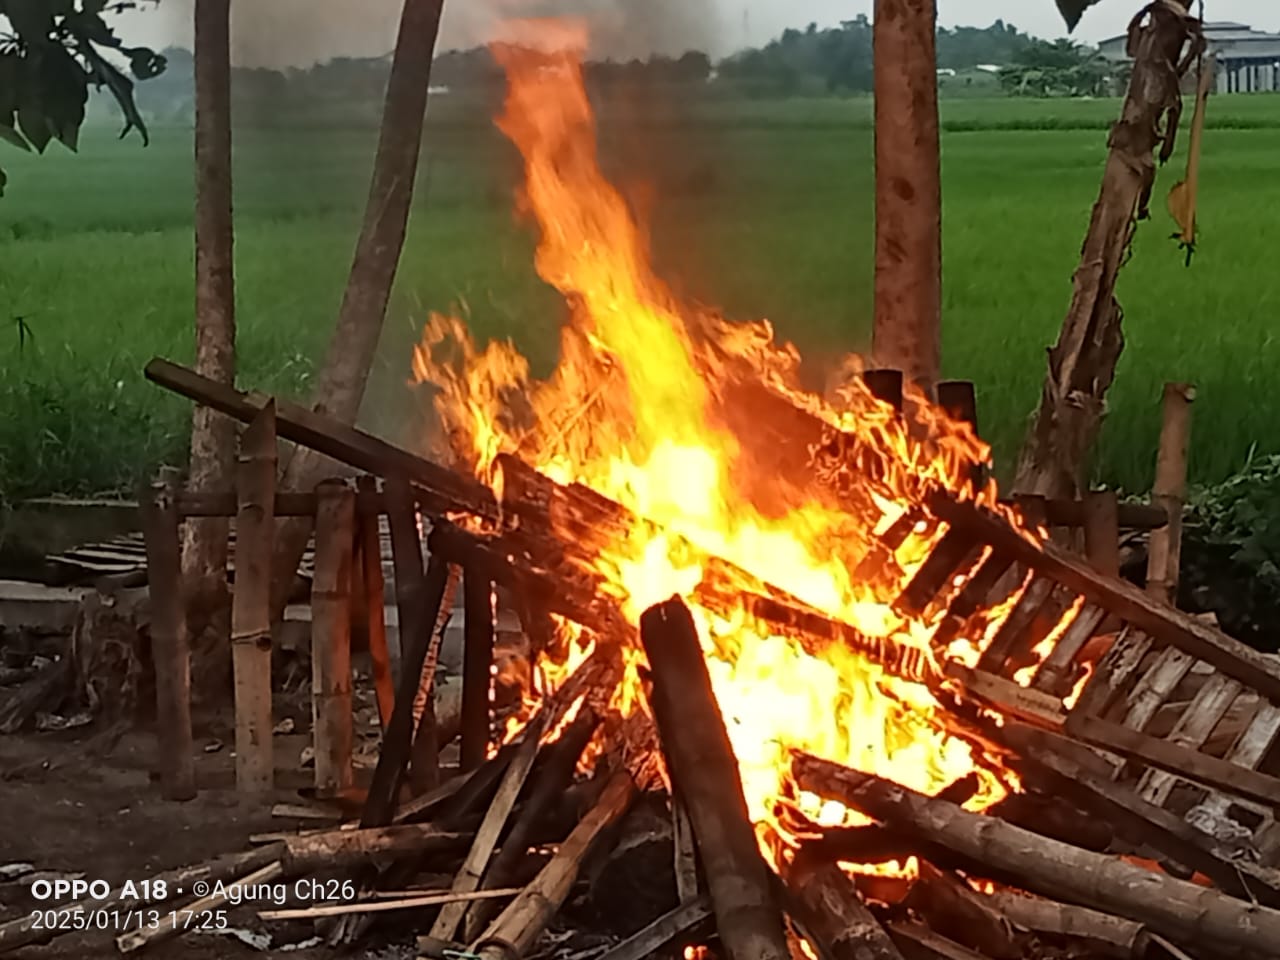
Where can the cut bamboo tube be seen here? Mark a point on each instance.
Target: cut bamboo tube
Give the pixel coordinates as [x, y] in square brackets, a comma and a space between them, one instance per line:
[1164, 551]
[331, 639]
[251, 603]
[169, 642]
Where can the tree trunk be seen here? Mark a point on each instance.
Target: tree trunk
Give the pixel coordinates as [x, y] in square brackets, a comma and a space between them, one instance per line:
[908, 293]
[213, 437]
[1055, 455]
[341, 380]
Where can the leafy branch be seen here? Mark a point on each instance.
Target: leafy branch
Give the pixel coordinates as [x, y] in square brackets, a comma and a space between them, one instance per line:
[55, 51]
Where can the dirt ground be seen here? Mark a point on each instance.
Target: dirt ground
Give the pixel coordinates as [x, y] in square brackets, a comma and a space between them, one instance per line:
[67, 807]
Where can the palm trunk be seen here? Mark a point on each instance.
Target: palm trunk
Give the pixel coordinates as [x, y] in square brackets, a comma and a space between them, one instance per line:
[1055, 456]
[204, 556]
[908, 291]
[341, 381]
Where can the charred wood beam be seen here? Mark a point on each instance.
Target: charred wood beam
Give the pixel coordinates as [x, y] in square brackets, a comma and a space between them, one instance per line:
[440, 490]
[704, 769]
[1181, 910]
[952, 908]
[826, 904]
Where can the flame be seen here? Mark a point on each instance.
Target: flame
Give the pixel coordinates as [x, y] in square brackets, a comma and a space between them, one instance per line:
[651, 406]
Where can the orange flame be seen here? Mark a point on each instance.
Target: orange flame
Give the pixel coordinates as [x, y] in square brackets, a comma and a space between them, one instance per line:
[647, 408]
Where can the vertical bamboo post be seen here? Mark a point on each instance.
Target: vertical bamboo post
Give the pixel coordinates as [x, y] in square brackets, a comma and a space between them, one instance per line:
[477, 666]
[1164, 552]
[169, 645]
[1102, 531]
[251, 602]
[959, 400]
[418, 609]
[331, 638]
[374, 589]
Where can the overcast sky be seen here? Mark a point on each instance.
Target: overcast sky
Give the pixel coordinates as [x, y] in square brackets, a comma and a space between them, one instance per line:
[299, 32]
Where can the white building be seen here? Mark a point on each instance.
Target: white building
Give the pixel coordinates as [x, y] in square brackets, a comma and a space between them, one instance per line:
[1248, 59]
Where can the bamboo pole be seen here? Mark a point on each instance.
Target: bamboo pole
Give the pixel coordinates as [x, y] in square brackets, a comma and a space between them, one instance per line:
[169, 643]
[331, 639]
[1180, 910]
[523, 921]
[704, 770]
[1164, 550]
[477, 664]
[374, 591]
[1102, 531]
[251, 603]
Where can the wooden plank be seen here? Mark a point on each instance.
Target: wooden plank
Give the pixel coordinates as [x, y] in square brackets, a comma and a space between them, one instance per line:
[1033, 706]
[287, 503]
[1102, 531]
[441, 490]
[1057, 670]
[477, 663]
[947, 558]
[1156, 686]
[1235, 659]
[1164, 549]
[1176, 761]
[975, 595]
[1249, 750]
[374, 584]
[169, 643]
[1074, 513]
[251, 603]
[1012, 632]
[1111, 678]
[1192, 730]
[333, 721]
[648, 941]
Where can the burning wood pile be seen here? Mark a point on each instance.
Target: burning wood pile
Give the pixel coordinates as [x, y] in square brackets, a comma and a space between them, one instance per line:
[883, 716]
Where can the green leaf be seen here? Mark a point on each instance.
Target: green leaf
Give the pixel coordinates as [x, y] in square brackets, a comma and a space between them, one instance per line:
[105, 74]
[35, 125]
[9, 134]
[3, 180]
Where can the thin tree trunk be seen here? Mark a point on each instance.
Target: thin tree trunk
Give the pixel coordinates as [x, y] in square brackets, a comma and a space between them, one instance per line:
[1055, 456]
[341, 381]
[908, 290]
[213, 437]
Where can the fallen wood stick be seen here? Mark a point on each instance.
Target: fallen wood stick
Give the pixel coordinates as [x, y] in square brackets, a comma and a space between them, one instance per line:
[523, 921]
[827, 905]
[24, 932]
[342, 847]
[1123, 938]
[384, 906]
[174, 925]
[646, 942]
[918, 942]
[548, 788]
[495, 819]
[704, 769]
[1181, 910]
[952, 908]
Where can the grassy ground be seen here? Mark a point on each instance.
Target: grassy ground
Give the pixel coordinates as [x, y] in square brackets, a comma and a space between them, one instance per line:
[95, 255]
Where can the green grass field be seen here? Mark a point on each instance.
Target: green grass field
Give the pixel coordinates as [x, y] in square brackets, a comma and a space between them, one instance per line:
[95, 255]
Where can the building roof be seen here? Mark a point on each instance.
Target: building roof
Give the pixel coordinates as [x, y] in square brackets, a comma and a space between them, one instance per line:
[1227, 39]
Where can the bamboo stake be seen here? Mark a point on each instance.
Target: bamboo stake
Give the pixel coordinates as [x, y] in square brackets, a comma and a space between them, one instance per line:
[331, 639]
[473, 867]
[518, 926]
[251, 603]
[1180, 910]
[374, 591]
[704, 769]
[169, 642]
[384, 906]
[477, 666]
[1102, 531]
[1164, 550]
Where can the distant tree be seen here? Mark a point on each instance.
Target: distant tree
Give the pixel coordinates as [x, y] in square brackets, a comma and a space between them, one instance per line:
[51, 52]
[1061, 68]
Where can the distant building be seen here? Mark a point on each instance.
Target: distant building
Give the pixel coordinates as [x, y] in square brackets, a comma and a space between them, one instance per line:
[1248, 59]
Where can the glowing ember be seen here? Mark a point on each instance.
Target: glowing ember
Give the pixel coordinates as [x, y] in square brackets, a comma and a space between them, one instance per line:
[646, 407]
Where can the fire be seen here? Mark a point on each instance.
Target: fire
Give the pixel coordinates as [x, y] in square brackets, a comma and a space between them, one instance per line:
[650, 406]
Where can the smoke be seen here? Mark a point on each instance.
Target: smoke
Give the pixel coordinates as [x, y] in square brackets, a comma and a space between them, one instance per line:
[298, 33]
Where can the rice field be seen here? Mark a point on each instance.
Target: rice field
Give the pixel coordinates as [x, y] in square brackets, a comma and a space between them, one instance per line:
[761, 208]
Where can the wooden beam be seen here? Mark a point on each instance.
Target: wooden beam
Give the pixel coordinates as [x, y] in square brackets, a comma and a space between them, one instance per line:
[251, 604]
[169, 642]
[1164, 550]
[374, 590]
[1162, 622]
[441, 490]
[333, 721]
[477, 664]
[703, 768]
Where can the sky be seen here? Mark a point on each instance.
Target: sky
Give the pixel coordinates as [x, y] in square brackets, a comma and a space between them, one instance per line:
[279, 33]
